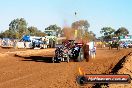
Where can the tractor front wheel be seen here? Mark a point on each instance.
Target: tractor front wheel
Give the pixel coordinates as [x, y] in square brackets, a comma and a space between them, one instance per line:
[81, 56]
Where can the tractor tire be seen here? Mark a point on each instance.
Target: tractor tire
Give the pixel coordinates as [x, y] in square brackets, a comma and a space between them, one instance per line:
[109, 47]
[118, 47]
[53, 59]
[81, 56]
[68, 59]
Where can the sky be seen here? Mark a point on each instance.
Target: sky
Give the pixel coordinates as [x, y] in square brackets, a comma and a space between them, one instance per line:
[42, 13]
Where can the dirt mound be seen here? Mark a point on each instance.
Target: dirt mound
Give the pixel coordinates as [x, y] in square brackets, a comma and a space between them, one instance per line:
[126, 69]
[40, 52]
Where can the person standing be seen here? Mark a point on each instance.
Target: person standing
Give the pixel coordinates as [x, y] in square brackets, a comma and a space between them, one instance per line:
[94, 51]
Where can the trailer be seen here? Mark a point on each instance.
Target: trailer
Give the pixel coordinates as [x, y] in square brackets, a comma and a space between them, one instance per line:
[32, 42]
[7, 43]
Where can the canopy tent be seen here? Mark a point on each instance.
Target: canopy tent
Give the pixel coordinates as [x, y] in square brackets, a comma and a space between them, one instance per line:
[26, 38]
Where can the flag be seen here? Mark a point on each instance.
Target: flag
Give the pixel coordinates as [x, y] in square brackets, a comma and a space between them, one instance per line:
[75, 33]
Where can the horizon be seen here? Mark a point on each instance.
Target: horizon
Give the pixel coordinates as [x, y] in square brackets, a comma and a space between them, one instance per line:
[41, 13]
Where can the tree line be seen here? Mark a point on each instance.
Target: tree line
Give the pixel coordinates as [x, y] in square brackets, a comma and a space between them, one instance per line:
[109, 33]
[19, 27]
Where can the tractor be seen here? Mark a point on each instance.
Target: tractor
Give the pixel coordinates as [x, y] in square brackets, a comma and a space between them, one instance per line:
[114, 44]
[70, 50]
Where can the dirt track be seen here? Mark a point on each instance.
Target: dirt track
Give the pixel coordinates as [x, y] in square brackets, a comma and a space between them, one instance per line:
[16, 72]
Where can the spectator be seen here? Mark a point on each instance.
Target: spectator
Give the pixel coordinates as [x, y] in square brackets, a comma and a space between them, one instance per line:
[93, 52]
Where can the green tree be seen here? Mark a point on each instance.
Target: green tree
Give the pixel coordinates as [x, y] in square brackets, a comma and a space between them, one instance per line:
[121, 31]
[82, 30]
[7, 34]
[92, 36]
[18, 27]
[55, 28]
[33, 31]
[81, 24]
[107, 32]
